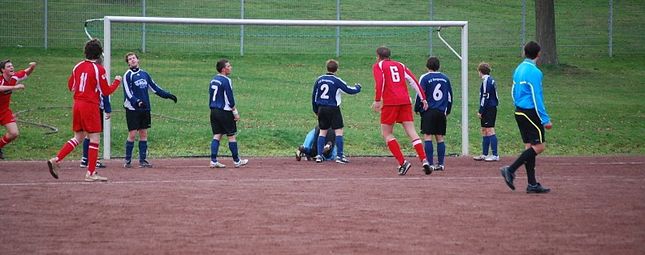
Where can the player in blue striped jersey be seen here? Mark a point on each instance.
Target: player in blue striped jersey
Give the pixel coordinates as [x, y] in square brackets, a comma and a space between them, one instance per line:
[438, 90]
[487, 113]
[136, 83]
[224, 114]
[326, 100]
[531, 118]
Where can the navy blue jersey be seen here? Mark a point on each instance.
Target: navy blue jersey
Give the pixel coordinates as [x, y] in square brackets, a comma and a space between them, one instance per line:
[221, 93]
[487, 94]
[136, 83]
[327, 90]
[437, 88]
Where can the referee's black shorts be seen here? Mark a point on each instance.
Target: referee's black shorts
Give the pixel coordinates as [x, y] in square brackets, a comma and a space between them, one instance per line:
[489, 117]
[223, 122]
[330, 117]
[530, 126]
[433, 122]
[137, 119]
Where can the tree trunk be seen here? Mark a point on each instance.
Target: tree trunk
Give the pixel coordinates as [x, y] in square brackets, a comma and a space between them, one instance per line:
[545, 31]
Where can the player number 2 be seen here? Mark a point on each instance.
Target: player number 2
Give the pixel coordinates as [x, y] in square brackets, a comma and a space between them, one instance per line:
[437, 94]
[325, 91]
[396, 77]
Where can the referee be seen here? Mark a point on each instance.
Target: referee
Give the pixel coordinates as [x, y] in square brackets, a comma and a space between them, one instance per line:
[531, 118]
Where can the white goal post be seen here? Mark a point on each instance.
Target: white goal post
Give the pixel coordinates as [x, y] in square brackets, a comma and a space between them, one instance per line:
[107, 21]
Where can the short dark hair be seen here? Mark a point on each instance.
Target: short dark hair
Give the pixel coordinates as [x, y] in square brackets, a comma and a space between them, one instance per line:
[383, 52]
[221, 64]
[531, 50]
[433, 64]
[332, 66]
[4, 63]
[484, 68]
[130, 54]
[93, 49]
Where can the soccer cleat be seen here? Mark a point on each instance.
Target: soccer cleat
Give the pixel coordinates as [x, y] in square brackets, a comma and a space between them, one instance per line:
[217, 165]
[144, 164]
[403, 169]
[537, 188]
[240, 163]
[127, 164]
[342, 159]
[327, 147]
[508, 177]
[491, 158]
[95, 177]
[439, 168]
[53, 167]
[99, 164]
[319, 159]
[480, 157]
[427, 168]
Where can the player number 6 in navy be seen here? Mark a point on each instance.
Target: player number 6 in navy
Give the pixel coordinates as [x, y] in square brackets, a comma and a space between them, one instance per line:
[437, 94]
[325, 91]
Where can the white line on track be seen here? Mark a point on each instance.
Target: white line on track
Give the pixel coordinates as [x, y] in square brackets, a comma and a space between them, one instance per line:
[615, 178]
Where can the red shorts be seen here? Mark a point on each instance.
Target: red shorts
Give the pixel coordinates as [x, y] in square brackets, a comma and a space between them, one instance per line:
[86, 117]
[391, 114]
[6, 117]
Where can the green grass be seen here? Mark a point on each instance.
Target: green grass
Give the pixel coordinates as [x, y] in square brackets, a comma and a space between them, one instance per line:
[596, 102]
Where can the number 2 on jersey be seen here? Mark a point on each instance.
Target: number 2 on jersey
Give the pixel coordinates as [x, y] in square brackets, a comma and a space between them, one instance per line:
[325, 91]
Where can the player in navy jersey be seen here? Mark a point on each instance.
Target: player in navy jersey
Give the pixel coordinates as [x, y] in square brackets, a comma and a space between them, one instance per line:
[137, 82]
[531, 118]
[224, 114]
[437, 89]
[487, 113]
[326, 99]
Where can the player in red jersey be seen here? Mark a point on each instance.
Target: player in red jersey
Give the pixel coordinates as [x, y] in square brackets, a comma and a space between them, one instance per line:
[8, 84]
[87, 82]
[393, 101]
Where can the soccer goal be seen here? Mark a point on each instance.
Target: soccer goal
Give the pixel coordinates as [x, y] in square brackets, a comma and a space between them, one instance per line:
[463, 55]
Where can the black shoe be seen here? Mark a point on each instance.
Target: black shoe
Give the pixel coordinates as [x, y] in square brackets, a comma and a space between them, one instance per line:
[508, 177]
[537, 188]
[403, 169]
[144, 164]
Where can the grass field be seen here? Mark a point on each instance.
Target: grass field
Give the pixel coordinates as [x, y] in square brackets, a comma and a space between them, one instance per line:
[595, 101]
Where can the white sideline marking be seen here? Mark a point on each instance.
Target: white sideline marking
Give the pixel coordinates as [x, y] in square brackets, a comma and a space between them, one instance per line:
[427, 178]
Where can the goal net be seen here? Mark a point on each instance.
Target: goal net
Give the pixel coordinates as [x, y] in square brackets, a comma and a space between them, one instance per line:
[247, 37]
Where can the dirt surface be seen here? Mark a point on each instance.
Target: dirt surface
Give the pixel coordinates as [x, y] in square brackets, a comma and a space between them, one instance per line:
[280, 206]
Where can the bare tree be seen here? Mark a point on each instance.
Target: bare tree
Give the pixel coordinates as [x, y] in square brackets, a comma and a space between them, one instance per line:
[545, 31]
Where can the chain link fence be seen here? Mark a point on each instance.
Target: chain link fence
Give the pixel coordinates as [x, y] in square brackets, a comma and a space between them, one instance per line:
[583, 27]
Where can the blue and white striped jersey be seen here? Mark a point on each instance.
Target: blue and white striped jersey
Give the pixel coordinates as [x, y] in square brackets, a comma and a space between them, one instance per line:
[487, 94]
[136, 83]
[221, 93]
[327, 90]
[527, 89]
[437, 89]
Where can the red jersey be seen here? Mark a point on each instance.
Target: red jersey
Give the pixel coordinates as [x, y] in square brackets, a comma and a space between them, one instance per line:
[88, 82]
[5, 96]
[389, 83]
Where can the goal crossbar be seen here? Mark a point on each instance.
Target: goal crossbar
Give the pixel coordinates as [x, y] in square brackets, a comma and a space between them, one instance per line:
[107, 20]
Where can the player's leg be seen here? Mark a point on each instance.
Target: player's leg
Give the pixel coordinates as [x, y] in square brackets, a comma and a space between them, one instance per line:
[143, 149]
[133, 126]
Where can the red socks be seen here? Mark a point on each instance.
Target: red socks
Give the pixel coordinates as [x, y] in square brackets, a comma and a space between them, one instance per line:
[418, 146]
[67, 148]
[92, 156]
[394, 147]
